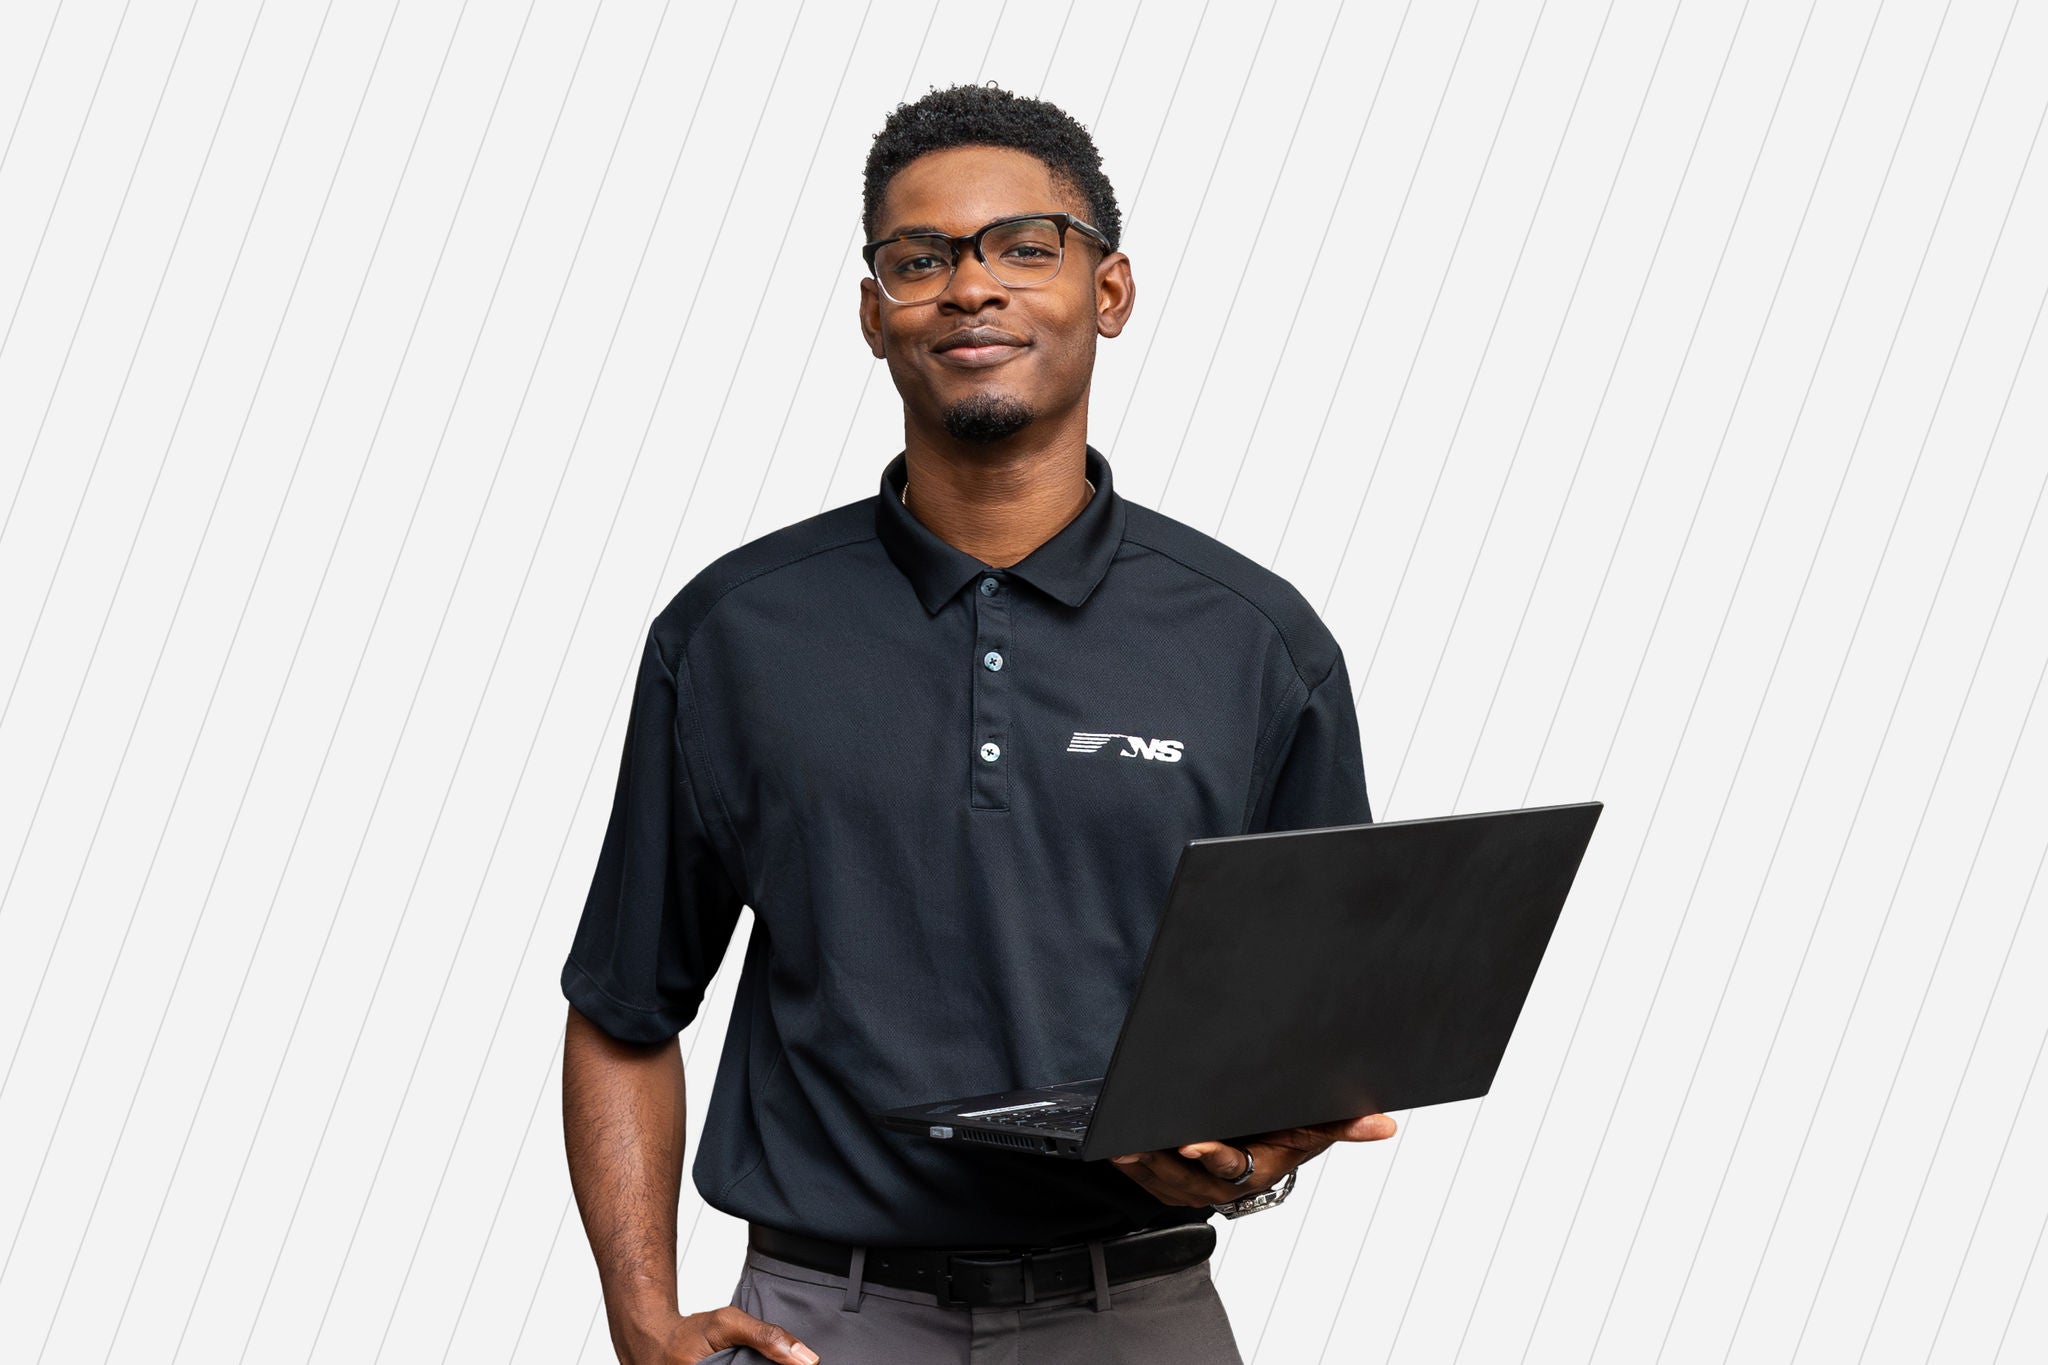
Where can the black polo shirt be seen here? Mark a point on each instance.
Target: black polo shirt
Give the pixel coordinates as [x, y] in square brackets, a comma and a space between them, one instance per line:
[954, 796]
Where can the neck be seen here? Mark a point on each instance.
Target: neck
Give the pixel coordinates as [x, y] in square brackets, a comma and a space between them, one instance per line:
[997, 502]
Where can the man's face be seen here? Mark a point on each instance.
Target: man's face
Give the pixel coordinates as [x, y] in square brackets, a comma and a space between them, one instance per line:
[1039, 342]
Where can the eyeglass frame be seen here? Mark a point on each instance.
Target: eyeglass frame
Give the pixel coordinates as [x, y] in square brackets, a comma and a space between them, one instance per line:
[1063, 221]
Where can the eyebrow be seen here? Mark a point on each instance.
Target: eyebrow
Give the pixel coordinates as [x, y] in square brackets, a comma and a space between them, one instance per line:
[929, 229]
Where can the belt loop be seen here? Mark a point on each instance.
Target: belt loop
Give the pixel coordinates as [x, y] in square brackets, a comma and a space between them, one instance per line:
[1101, 1269]
[1030, 1289]
[856, 1271]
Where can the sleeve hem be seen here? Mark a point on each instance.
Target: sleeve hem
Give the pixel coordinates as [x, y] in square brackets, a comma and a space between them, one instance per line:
[627, 1022]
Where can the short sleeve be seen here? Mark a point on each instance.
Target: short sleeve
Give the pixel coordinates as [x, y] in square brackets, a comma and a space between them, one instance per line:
[661, 907]
[1317, 777]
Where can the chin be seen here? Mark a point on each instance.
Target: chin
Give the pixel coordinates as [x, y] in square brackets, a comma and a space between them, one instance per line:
[987, 416]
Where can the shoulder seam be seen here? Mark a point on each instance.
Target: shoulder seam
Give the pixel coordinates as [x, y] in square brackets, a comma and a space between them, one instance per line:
[654, 643]
[1278, 629]
[765, 570]
[1335, 659]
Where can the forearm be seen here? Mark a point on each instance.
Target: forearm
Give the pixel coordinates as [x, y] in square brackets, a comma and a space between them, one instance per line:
[623, 1123]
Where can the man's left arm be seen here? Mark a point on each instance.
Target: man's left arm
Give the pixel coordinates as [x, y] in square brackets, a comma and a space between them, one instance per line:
[1317, 779]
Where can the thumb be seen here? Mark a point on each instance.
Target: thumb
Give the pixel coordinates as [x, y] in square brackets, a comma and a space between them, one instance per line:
[1369, 1128]
[731, 1327]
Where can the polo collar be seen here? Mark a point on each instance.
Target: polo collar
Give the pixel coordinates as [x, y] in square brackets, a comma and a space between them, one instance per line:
[1066, 567]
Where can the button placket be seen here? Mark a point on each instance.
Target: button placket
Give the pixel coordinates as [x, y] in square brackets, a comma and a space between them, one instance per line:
[989, 752]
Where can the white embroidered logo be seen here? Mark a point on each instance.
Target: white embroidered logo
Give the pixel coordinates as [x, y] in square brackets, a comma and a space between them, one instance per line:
[1162, 750]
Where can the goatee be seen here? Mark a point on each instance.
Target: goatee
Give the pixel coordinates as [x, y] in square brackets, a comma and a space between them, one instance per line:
[984, 418]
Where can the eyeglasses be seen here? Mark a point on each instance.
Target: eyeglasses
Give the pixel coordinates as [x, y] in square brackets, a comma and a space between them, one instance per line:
[1020, 252]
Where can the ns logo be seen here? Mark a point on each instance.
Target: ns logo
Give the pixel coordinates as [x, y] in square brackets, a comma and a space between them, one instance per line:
[1157, 750]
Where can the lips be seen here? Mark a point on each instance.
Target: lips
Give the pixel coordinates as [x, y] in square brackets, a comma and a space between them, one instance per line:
[978, 347]
[978, 357]
[976, 339]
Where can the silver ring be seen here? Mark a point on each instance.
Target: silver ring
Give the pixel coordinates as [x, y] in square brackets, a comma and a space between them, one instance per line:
[1249, 1164]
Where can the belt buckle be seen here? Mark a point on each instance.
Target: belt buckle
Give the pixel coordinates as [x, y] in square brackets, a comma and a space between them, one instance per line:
[976, 1273]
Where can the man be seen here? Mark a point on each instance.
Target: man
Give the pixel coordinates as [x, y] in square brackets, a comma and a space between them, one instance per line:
[883, 729]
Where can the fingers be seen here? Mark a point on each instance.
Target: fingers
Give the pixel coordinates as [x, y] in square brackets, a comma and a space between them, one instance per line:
[1153, 1174]
[1221, 1159]
[1200, 1173]
[731, 1327]
[1175, 1181]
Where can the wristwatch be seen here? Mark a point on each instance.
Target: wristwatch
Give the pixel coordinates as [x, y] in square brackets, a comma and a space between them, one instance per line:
[1253, 1203]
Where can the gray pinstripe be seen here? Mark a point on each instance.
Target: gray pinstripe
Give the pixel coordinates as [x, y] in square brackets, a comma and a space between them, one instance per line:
[2005, 959]
[1998, 1167]
[1942, 953]
[1506, 477]
[1962, 1261]
[1251, 243]
[155, 667]
[28, 88]
[2025, 1276]
[1336, 205]
[1989, 634]
[64, 364]
[1864, 979]
[1741, 759]
[490, 674]
[56, 201]
[1727, 612]
[1813, 932]
[1166, 304]
[93, 1028]
[36, 811]
[292, 293]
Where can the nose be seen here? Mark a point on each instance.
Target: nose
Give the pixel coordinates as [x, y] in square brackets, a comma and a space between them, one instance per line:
[972, 287]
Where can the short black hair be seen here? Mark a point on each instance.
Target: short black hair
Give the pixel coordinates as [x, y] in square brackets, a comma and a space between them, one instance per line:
[990, 116]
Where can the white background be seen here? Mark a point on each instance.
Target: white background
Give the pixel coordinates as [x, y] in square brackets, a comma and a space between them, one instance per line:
[1648, 394]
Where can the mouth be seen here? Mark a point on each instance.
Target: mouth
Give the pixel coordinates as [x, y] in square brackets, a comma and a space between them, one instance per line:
[979, 357]
[978, 347]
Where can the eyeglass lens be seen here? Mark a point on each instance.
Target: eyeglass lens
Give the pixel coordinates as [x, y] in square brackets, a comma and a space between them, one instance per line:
[1019, 255]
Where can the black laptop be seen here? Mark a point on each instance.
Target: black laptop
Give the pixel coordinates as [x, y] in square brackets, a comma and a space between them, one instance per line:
[1304, 976]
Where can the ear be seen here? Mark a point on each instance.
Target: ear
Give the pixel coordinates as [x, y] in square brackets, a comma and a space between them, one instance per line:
[871, 318]
[1115, 293]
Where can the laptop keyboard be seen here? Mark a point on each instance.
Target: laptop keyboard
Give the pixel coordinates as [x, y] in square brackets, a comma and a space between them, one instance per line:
[1071, 1118]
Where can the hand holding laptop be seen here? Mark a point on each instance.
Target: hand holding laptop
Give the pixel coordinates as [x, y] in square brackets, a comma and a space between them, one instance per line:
[1396, 957]
[1199, 1173]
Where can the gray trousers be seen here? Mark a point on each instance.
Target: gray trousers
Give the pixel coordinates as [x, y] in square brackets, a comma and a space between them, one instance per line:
[1171, 1319]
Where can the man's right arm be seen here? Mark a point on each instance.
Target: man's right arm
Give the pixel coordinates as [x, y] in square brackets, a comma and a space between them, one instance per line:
[623, 1122]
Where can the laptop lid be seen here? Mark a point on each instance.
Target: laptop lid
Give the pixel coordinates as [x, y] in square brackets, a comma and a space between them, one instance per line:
[1304, 976]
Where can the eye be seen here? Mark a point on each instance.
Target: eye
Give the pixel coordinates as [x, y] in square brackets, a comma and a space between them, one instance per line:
[914, 259]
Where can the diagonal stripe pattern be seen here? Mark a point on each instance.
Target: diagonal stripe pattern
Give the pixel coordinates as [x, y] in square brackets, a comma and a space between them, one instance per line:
[1650, 397]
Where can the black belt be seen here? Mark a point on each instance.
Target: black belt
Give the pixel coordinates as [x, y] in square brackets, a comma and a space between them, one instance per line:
[999, 1277]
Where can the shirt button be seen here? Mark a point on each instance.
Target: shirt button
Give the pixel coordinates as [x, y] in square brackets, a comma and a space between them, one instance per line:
[988, 587]
[990, 753]
[993, 661]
